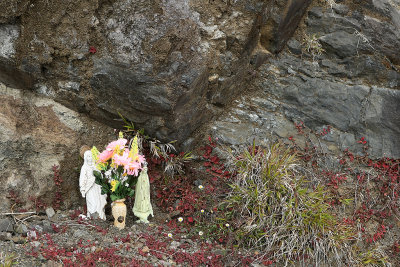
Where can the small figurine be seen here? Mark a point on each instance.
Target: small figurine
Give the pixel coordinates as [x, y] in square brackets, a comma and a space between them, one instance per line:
[95, 201]
[142, 207]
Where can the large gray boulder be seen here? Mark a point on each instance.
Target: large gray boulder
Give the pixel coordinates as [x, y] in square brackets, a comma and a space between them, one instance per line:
[168, 66]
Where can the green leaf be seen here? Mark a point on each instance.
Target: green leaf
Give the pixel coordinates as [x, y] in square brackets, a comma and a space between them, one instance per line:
[114, 197]
[131, 193]
[103, 191]
[97, 174]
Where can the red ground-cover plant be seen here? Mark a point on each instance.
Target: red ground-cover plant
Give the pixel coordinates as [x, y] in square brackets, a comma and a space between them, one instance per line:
[372, 185]
[38, 203]
[78, 255]
[15, 199]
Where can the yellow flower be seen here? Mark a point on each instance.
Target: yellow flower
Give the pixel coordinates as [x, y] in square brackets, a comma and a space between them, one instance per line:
[134, 148]
[95, 154]
[180, 219]
[170, 235]
[114, 184]
[202, 211]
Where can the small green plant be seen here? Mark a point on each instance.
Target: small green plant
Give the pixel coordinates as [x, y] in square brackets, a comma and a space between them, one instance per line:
[173, 164]
[374, 257]
[272, 206]
[8, 260]
[313, 46]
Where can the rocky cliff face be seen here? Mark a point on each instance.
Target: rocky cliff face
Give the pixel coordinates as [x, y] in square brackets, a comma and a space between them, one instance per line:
[163, 65]
[37, 133]
[352, 85]
[241, 69]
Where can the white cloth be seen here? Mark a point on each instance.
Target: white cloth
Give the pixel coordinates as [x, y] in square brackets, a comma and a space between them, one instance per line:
[95, 201]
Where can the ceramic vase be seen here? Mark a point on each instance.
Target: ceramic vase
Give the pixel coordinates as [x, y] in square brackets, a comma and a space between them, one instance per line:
[119, 213]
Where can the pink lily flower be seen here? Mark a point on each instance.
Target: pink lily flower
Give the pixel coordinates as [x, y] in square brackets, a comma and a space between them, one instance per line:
[105, 156]
[132, 168]
[120, 143]
[122, 160]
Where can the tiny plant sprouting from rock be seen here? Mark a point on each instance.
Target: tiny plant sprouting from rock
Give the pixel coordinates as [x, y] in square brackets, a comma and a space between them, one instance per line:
[313, 46]
[331, 3]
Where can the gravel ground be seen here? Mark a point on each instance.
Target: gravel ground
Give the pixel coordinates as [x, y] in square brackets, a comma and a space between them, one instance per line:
[67, 241]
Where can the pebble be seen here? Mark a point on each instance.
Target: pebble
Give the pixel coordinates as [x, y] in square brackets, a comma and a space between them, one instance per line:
[47, 227]
[174, 245]
[39, 228]
[6, 225]
[21, 229]
[35, 244]
[18, 239]
[138, 245]
[50, 212]
[145, 249]
[198, 182]
[5, 236]
[31, 234]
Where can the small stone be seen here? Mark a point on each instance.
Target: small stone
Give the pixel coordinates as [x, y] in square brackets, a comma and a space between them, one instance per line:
[294, 46]
[47, 227]
[38, 228]
[5, 236]
[31, 234]
[145, 249]
[198, 182]
[18, 239]
[174, 245]
[139, 245]
[21, 229]
[6, 225]
[50, 212]
[35, 244]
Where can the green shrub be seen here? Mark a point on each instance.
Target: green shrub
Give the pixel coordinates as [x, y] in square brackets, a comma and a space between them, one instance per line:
[273, 207]
[8, 260]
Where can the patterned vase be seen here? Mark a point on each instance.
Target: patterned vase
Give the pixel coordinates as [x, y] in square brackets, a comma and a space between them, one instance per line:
[118, 208]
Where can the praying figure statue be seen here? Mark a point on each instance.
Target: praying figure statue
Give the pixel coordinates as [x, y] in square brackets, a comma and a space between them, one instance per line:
[142, 207]
[95, 201]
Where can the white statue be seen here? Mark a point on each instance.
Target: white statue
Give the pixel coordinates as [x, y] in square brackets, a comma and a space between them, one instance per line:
[95, 201]
[142, 207]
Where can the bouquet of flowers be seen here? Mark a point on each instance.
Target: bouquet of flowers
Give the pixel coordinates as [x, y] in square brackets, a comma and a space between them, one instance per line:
[118, 167]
